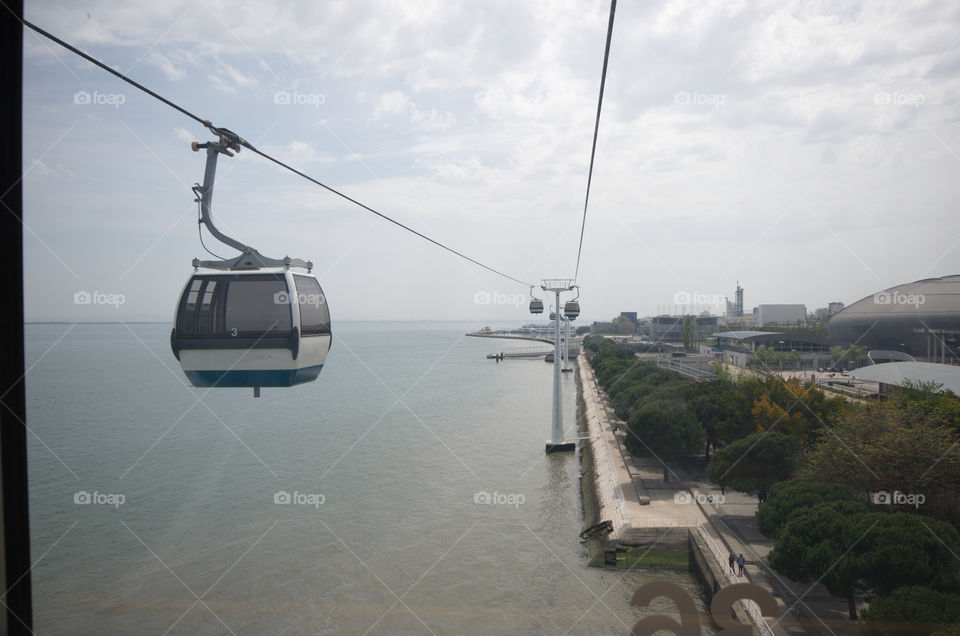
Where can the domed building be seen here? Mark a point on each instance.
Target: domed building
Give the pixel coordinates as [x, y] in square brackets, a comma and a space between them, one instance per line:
[921, 318]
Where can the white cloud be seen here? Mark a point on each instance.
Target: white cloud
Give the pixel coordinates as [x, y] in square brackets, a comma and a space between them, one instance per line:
[484, 112]
[39, 171]
[392, 103]
[167, 66]
[395, 103]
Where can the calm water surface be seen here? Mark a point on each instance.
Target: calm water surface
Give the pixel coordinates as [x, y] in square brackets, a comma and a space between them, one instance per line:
[407, 423]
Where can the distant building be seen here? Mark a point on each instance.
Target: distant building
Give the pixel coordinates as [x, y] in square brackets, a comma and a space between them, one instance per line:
[794, 352]
[892, 376]
[824, 313]
[921, 318]
[666, 328]
[747, 321]
[735, 308]
[630, 315]
[703, 326]
[670, 328]
[780, 314]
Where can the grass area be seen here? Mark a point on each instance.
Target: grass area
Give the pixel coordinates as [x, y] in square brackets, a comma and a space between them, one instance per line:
[642, 559]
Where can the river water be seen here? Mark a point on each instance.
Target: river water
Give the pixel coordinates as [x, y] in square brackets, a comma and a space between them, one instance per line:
[187, 530]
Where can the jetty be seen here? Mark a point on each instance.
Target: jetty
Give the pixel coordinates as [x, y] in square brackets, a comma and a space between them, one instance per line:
[530, 352]
[537, 335]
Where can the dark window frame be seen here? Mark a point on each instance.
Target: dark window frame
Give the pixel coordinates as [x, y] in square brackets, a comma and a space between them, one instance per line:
[306, 308]
[189, 325]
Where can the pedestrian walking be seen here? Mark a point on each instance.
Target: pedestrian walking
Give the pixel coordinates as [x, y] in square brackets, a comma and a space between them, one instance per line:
[740, 562]
[732, 560]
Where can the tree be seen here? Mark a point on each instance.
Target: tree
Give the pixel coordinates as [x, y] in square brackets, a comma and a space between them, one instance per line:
[936, 405]
[887, 449]
[766, 355]
[754, 463]
[856, 353]
[623, 325]
[787, 498]
[582, 330]
[768, 414]
[688, 332]
[836, 356]
[796, 357]
[665, 429]
[711, 405]
[809, 547]
[627, 400]
[911, 611]
[841, 358]
[893, 550]
[851, 551]
[770, 403]
[593, 342]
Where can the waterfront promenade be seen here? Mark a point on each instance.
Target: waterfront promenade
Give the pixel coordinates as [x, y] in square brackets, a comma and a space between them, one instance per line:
[644, 509]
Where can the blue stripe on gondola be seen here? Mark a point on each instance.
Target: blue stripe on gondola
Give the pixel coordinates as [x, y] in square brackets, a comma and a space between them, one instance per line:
[251, 378]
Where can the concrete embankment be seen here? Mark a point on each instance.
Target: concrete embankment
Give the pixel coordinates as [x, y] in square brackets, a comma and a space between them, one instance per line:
[649, 514]
[630, 491]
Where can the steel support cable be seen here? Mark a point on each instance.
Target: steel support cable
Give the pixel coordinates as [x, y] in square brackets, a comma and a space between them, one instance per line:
[246, 144]
[596, 129]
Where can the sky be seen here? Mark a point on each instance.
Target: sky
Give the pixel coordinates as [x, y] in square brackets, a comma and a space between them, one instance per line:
[809, 150]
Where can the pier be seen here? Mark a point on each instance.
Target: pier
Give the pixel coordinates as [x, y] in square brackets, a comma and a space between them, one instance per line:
[524, 352]
[537, 335]
[529, 352]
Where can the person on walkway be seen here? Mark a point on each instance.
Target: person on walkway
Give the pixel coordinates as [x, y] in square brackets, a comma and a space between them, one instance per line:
[740, 563]
[732, 560]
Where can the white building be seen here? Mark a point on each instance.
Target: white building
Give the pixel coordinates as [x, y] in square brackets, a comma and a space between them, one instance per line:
[781, 314]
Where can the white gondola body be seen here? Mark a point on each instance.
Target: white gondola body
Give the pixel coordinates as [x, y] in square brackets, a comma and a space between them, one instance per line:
[261, 328]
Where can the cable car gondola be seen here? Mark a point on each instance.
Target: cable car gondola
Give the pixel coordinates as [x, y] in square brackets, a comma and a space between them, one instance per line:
[571, 309]
[251, 329]
[536, 305]
[253, 322]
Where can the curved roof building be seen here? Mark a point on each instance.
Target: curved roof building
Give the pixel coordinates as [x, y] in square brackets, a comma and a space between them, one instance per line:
[921, 318]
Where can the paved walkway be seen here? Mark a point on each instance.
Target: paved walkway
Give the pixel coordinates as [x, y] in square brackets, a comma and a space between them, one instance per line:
[634, 495]
[631, 494]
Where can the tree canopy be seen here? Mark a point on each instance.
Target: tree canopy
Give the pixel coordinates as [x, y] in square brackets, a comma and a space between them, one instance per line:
[786, 498]
[754, 463]
[665, 428]
[850, 550]
[890, 449]
[912, 611]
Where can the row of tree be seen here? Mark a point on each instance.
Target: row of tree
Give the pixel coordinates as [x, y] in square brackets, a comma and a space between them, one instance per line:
[863, 497]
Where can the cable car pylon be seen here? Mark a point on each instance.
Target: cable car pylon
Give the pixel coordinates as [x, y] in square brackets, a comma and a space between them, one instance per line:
[558, 441]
